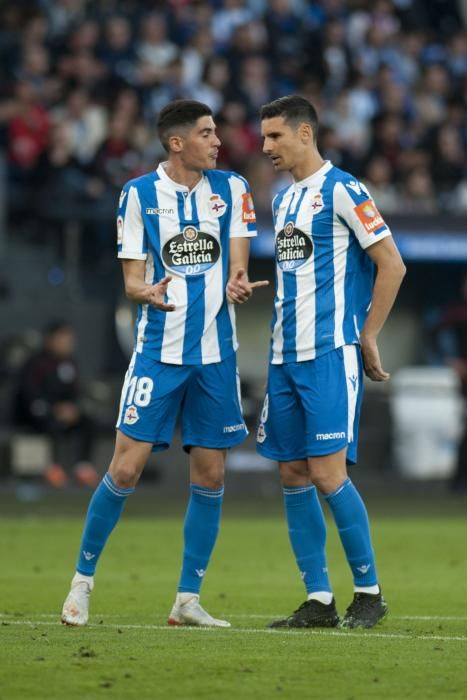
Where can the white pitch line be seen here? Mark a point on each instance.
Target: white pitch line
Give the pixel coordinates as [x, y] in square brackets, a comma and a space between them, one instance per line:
[313, 632]
[273, 616]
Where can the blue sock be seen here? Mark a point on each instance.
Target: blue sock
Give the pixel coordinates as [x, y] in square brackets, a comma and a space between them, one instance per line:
[307, 532]
[200, 533]
[103, 514]
[354, 529]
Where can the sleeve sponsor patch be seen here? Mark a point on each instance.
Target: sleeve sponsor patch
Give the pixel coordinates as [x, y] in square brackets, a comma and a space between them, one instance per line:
[120, 224]
[248, 209]
[369, 216]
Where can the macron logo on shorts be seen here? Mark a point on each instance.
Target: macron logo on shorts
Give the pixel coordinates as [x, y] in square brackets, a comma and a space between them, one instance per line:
[329, 436]
[234, 428]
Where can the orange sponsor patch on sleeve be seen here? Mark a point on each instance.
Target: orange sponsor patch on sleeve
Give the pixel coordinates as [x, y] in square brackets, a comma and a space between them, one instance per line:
[369, 216]
[248, 209]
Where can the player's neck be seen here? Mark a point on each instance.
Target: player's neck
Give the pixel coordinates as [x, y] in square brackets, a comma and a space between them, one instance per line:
[307, 167]
[178, 173]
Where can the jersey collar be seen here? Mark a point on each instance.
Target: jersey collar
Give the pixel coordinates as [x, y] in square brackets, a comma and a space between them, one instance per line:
[315, 177]
[176, 185]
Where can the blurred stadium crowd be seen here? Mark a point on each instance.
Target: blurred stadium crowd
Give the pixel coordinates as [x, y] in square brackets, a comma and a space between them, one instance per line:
[82, 82]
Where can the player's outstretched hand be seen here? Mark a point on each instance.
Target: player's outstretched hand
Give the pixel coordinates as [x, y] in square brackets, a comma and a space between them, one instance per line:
[239, 289]
[371, 361]
[156, 295]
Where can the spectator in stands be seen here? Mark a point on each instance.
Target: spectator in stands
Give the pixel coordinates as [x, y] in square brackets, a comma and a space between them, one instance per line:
[232, 14]
[448, 162]
[28, 127]
[377, 177]
[196, 56]
[238, 137]
[118, 160]
[118, 52]
[49, 402]
[86, 124]
[418, 193]
[215, 84]
[79, 193]
[155, 50]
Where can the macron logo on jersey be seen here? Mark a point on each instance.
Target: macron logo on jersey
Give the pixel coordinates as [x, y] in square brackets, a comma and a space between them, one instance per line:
[159, 212]
[357, 187]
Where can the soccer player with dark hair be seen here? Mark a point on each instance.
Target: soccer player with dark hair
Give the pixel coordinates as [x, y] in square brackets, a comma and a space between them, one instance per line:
[329, 309]
[183, 237]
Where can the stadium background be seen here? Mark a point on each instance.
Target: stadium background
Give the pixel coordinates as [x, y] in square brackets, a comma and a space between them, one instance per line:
[81, 83]
[81, 86]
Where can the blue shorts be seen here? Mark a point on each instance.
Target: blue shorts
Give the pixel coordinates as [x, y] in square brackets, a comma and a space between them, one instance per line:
[207, 397]
[313, 408]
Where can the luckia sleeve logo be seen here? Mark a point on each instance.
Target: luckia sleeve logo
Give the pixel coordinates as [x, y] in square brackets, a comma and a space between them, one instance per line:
[369, 216]
[293, 247]
[120, 225]
[191, 252]
[248, 209]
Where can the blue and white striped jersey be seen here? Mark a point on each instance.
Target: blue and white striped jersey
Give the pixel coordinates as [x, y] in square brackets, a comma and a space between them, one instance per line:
[185, 234]
[324, 277]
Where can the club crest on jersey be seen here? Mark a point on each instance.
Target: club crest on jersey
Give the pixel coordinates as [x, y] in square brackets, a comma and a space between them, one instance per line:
[293, 247]
[317, 203]
[191, 252]
[131, 415]
[217, 205]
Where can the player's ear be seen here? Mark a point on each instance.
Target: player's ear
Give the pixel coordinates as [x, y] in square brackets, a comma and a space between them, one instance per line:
[305, 132]
[175, 144]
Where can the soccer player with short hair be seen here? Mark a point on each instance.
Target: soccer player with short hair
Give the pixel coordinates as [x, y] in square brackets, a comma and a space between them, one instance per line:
[183, 237]
[329, 309]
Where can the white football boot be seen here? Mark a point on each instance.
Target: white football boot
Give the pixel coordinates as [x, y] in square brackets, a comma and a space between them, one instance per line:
[75, 610]
[188, 611]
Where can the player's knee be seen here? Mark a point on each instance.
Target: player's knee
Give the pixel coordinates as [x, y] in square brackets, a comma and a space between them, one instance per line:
[207, 468]
[125, 475]
[211, 479]
[327, 482]
[210, 476]
[293, 473]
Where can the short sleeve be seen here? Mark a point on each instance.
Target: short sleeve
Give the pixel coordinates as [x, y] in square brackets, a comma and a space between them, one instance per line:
[131, 234]
[243, 221]
[353, 205]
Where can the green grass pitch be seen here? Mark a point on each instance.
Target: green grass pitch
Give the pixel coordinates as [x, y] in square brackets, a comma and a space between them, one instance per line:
[128, 652]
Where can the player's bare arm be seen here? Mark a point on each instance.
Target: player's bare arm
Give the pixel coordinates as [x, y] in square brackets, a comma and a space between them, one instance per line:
[239, 288]
[390, 273]
[139, 291]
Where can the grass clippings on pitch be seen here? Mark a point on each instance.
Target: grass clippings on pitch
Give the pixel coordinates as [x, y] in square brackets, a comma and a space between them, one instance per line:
[129, 652]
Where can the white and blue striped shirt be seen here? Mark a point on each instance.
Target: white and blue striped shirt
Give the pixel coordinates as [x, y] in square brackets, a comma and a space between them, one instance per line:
[185, 233]
[324, 277]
